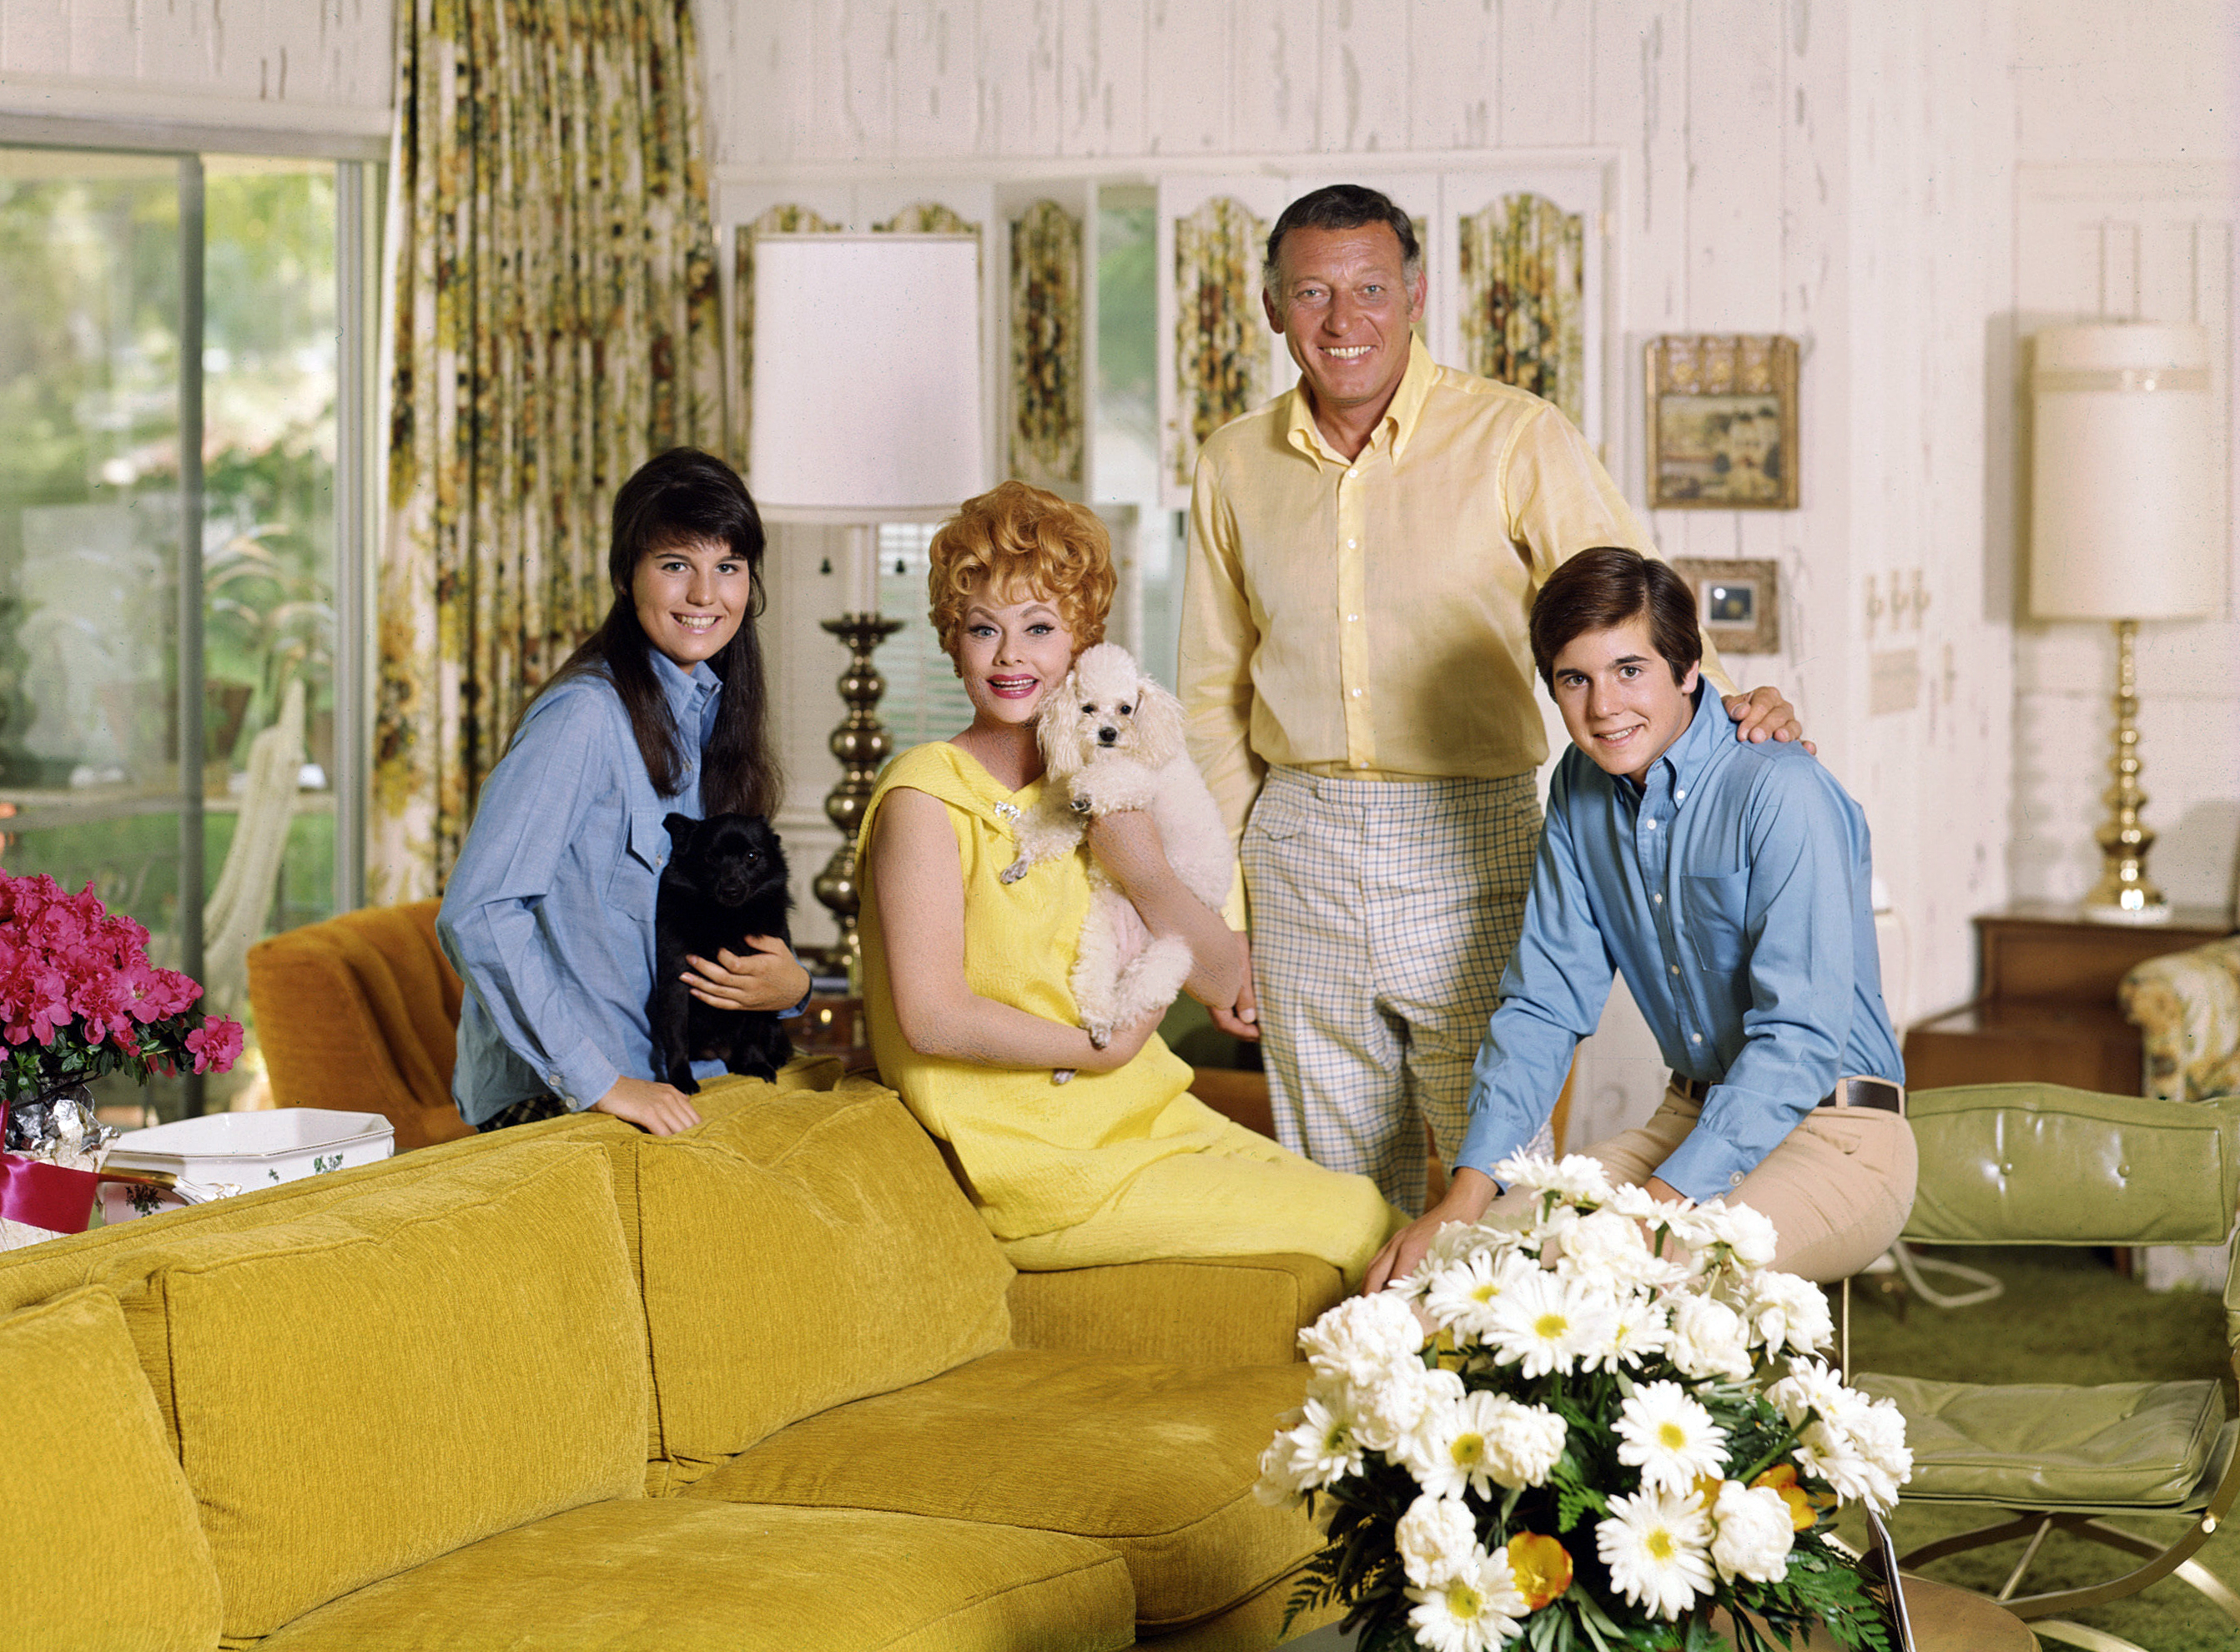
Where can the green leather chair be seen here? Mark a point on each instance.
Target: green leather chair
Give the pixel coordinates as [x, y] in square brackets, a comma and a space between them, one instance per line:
[2042, 1164]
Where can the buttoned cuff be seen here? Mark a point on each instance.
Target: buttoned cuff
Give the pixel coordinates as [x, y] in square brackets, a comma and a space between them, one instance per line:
[1706, 1167]
[787, 1014]
[582, 1076]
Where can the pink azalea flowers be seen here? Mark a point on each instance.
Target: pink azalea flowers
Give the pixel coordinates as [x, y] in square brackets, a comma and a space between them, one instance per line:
[75, 982]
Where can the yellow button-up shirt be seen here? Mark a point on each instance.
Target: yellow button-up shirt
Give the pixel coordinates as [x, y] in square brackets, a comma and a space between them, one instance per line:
[1367, 617]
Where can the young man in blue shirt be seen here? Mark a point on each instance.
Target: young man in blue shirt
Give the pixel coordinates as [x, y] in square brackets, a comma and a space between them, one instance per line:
[1728, 883]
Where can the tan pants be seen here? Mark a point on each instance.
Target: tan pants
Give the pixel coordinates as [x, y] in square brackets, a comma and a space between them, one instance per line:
[1838, 1189]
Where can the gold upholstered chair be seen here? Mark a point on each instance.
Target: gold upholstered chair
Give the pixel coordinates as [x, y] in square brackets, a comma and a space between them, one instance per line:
[361, 1014]
[2042, 1164]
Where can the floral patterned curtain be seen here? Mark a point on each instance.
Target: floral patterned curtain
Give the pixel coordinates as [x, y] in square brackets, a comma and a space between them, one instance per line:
[556, 324]
[1523, 295]
[1221, 339]
[1046, 320]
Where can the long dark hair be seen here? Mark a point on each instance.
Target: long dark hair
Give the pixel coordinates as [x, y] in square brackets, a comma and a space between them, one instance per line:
[685, 497]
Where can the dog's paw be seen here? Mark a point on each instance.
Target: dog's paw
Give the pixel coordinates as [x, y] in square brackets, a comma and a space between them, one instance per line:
[1099, 1035]
[1061, 1075]
[1014, 872]
[1079, 805]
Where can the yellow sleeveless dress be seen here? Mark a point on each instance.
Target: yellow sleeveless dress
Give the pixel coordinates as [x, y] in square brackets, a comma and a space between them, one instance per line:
[1109, 1167]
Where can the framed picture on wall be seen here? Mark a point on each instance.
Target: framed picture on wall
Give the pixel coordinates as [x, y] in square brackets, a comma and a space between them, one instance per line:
[1723, 421]
[1737, 603]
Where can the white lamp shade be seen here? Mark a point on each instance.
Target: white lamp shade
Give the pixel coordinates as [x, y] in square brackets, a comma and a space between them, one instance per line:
[2124, 517]
[867, 372]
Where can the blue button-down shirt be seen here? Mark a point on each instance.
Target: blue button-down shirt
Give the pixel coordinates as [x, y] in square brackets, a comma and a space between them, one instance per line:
[548, 917]
[1733, 893]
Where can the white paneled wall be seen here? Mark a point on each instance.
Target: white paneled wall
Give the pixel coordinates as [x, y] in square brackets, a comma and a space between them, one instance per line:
[174, 59]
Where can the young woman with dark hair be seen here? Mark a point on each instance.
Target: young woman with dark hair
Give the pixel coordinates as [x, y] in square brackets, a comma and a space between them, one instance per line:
[548, 914]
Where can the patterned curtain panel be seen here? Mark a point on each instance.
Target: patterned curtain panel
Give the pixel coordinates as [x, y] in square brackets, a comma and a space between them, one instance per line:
[1524, 297]
[1220, 338]
[779, 220]
[556, 325]
[1046, 327]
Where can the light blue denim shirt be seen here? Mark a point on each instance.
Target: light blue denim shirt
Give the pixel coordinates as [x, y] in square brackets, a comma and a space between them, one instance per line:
[548, 917]
[1733, 896]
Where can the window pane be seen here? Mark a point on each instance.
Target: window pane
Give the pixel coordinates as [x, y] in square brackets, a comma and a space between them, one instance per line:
[269, 398]
[90, 541]
[1126, 422]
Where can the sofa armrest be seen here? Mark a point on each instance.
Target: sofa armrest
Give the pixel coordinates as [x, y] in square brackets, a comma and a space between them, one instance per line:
[1216, 1310]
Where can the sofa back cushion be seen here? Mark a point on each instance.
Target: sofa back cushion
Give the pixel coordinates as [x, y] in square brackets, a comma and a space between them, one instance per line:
[799, 1250]
[99, 1545]
[366, 1388]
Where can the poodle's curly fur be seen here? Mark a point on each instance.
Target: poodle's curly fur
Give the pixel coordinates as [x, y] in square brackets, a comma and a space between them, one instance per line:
[1111, 739]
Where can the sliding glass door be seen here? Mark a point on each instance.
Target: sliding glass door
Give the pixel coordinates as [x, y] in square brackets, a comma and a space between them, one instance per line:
[170, 559]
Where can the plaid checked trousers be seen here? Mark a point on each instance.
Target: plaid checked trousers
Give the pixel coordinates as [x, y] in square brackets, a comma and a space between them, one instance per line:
[1383, 913]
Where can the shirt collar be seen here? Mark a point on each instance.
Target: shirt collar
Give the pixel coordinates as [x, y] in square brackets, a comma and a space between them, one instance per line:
[1401, 417]
[690, 694]
[1686, 758]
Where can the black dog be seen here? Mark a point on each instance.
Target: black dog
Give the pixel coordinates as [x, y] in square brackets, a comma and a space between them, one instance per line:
[725, 881]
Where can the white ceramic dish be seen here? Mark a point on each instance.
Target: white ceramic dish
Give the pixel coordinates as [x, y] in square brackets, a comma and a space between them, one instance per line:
[247, 1149]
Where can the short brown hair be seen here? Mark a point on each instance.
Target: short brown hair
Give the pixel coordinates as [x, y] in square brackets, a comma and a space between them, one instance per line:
[1021, 537]
[1610, 586]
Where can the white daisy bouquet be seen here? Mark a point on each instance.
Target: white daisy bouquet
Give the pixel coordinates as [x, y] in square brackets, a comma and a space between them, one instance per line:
[1619, 1427]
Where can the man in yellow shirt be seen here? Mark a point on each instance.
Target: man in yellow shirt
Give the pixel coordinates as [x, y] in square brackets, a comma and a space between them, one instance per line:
[1364, 552]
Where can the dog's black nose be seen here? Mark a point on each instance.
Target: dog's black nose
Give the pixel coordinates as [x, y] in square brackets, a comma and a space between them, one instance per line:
[1107, 736]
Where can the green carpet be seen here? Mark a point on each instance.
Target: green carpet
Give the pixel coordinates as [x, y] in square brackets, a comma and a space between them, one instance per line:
[2066, 1317]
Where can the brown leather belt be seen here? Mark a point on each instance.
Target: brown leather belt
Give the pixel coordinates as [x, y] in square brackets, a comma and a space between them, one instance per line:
[1877, 1093]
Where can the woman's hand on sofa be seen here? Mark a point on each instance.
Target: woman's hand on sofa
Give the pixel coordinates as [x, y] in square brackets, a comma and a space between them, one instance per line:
[767, 977]
[658, 1109]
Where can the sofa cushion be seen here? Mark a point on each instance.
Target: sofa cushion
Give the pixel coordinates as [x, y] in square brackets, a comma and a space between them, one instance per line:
[672, 1575]
[99, 1545]
[799, 1250]
[1157, 1461]
[359, 1391]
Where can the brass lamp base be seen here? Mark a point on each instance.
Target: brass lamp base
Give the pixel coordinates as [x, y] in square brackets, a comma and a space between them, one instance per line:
[861, 744]
[2125, 893]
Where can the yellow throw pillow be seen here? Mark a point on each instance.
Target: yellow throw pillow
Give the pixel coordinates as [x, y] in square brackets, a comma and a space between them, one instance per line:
[800, 1251]
[99, 1545]
[449, 1357]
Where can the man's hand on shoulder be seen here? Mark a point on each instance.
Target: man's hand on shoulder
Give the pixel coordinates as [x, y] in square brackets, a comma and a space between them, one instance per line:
[1762, 713]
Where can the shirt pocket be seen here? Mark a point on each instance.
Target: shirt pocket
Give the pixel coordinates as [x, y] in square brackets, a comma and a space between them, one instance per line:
[1714, 904]
[637, 869]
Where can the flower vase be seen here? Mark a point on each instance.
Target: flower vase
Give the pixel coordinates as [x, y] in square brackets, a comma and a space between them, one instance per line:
[40, 1200]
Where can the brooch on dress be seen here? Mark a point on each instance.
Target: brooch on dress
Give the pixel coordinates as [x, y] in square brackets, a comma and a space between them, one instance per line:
[1009, 811]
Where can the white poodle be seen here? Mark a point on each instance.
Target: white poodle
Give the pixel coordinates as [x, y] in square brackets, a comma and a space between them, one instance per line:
[1112, 739]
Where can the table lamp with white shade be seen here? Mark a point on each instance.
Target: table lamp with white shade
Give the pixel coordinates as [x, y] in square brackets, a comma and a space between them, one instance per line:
[866, 409]
[2123, 527]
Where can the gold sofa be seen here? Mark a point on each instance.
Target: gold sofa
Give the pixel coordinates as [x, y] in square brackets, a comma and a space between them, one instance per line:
[768, 1382]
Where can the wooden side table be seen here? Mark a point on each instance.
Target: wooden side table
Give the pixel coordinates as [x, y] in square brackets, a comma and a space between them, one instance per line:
[2045, 1005]
[834, 1025]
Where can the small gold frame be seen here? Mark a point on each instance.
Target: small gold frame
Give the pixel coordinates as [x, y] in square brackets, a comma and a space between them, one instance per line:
[1721, 422]
[1737, 602]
